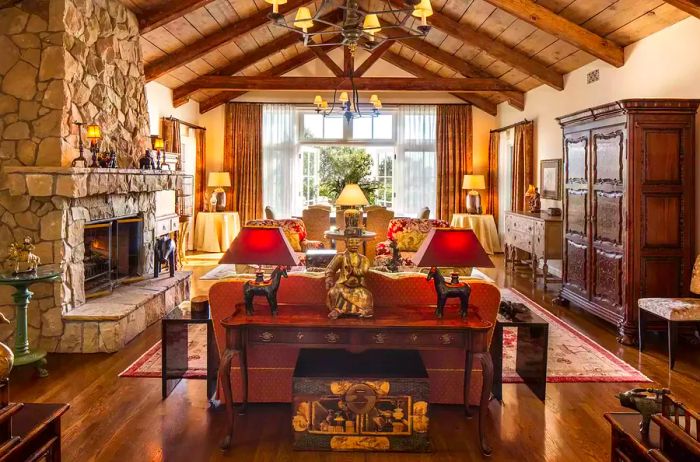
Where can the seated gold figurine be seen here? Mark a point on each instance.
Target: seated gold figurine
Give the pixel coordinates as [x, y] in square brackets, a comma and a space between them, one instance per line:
[347, 294]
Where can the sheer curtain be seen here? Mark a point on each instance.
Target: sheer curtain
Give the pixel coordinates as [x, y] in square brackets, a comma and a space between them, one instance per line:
[505, 175]
[280, 190]
[416, 166]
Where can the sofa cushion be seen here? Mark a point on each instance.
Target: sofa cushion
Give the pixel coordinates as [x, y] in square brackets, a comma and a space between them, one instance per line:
[673, 309]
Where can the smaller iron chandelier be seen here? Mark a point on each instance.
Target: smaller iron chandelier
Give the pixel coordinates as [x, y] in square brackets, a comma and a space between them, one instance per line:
[358, 27]
[349, 109]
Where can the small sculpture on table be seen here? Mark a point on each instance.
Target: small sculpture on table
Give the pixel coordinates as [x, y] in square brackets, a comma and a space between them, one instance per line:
[22, 258]
[393, 265]
[453, 289]
[532, 199]
[647, 401]
[146, 162]
[266, 288]
[512, 310]
[345, 280]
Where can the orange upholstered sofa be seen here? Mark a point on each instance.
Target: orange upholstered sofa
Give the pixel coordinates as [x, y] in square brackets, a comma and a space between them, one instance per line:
[270, 367]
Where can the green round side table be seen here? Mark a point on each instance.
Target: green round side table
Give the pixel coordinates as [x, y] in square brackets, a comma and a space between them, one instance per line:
[22, 296]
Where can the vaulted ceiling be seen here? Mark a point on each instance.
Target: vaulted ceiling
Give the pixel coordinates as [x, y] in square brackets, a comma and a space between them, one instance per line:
[503, 47]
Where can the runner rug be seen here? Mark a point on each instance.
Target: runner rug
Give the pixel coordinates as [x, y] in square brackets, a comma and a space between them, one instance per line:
[572, 356]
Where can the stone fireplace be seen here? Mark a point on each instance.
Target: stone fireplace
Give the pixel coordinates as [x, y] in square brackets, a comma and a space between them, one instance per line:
[66, 61]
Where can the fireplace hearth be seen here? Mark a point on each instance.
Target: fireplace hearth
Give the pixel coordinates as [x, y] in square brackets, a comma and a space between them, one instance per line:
[113, 253]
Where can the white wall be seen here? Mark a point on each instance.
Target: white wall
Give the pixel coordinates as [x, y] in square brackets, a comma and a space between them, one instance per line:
[663, 65]
[159, 100]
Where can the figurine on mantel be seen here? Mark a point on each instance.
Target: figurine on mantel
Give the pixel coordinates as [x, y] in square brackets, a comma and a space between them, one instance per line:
[146, 162]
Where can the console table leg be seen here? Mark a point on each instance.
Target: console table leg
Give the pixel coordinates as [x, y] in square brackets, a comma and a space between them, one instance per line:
[225, 377]
[469, 364]
[242, 358]
[487, 384]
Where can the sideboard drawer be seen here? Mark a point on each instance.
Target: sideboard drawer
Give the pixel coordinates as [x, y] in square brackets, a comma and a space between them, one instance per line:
[521, 240]
[299, 336]
[417, 338]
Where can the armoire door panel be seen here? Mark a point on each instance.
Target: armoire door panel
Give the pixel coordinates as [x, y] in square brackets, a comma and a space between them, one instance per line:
[661, 221]
[576, 156]
[608, 156]
[576, 258]
[607, 210]
[661, 277]
[662, 156]
[577, 212]
[607, 287]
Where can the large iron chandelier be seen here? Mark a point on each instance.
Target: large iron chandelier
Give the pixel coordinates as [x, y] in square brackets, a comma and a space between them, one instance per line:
[348, 108]
[358, 28]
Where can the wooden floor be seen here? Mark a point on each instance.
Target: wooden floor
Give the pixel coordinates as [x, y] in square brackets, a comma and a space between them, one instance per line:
[113, 419]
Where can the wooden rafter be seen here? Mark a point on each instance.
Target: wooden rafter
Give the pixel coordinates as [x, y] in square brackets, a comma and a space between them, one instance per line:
[170, 11]
[280, 69]
[182, 93]
[550, 22]
[211, 42]
[220, 82]
[496, 49]
[689, 6]
[419, 71]
[327, 61]
[372, 58]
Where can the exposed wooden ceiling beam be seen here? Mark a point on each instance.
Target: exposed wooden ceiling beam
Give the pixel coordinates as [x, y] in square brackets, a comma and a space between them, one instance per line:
[372, 58]
[419, 71]
[182, 93]
[220, 82]
[550, 22]
[203, 46]
[516, 98]
[280, 69]
[170, 11]
[327, 61]
[496, 49]
[689, 6]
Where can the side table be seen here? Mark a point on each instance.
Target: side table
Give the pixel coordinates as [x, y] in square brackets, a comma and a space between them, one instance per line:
[484, 226]
[531, 352]
[175, 342]
[214, 231]
[22, 296]
[339, 235]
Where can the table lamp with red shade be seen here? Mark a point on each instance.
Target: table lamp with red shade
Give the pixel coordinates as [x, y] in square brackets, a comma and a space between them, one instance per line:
[261, 245]
[451, 248]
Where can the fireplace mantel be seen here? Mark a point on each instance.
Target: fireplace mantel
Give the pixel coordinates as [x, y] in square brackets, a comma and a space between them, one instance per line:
[77, 182]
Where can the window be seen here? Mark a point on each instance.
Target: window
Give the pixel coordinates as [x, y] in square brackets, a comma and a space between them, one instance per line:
[316, 127]
[373, 128]
[310, 158]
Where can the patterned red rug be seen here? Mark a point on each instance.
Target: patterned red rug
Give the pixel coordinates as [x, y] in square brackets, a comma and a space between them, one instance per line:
[572, 356]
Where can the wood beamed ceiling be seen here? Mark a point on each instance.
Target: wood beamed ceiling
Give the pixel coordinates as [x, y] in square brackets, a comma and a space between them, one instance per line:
[481, 51]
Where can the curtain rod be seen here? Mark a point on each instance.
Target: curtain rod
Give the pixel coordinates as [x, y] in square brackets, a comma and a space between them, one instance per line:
[186, 124]
[524, 121]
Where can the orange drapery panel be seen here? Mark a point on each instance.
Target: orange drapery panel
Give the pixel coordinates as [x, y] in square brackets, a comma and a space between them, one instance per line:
[454, 157]
[523, 164]
[492, 177]
[200, 177]
[243, 158]
[170, 132]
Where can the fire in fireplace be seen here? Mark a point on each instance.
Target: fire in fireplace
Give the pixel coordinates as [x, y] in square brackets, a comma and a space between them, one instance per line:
[113, 252]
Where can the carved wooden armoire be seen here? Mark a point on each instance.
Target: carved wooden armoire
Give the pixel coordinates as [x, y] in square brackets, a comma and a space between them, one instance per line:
[628, 206]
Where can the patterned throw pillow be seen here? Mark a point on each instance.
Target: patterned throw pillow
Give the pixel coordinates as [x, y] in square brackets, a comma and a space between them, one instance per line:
[410, 241]
[293, 239]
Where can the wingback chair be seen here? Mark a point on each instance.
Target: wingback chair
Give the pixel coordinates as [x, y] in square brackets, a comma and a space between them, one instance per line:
[674, 311]
[295, 230]
[317, 221]
[409, 234]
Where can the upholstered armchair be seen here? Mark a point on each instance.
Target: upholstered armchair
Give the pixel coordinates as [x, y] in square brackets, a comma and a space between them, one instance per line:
[295, 230]
[408, 234]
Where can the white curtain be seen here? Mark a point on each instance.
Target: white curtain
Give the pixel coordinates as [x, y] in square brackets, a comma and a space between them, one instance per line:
[279, 155]
[415, 167]
[505, 177]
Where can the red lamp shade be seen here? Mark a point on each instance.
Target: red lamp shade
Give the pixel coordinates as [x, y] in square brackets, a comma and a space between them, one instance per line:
[452, 247]
[261, 245]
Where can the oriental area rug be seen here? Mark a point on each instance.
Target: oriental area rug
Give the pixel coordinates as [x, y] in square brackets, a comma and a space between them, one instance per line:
[572, 356]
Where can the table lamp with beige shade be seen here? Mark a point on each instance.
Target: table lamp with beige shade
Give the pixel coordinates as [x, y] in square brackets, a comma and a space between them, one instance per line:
[352, 196]
[219, 181]
[474, 183]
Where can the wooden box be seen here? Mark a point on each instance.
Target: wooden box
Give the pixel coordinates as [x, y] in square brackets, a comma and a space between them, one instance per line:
[371, 401]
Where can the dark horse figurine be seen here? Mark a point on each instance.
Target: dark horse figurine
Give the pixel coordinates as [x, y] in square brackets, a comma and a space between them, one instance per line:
[445, 290]
[267, 288]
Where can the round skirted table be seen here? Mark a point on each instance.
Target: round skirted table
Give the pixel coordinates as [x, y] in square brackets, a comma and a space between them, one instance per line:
[214, 231]
[484, 226]
[22, 296]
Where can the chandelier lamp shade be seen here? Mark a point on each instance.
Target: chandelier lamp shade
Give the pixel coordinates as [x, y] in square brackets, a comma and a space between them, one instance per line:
[358, 27]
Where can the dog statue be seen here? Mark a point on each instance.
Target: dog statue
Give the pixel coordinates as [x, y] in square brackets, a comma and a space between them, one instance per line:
[447, 290]
[511, 310]
[646, 401]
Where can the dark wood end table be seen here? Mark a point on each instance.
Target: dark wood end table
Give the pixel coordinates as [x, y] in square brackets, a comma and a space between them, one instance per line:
[531, 352]
[175, 342]
[34, 433]
[393, 327]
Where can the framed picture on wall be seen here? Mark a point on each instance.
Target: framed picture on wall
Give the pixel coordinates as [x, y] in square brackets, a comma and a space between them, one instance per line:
[550, 179]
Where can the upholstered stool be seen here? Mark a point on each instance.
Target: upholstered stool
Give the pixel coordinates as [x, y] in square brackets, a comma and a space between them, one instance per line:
[674, 311]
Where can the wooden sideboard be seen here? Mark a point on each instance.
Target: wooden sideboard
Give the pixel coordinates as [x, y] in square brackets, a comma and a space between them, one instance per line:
[538, 234]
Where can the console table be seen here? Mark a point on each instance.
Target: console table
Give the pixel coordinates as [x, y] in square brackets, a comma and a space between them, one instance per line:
[395, 327]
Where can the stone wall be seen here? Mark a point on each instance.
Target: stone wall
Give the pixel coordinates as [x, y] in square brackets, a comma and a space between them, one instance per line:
[65, 61]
